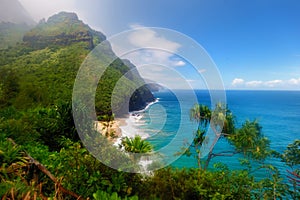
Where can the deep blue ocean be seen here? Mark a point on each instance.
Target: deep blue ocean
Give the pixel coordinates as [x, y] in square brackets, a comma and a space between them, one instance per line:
[278, 112]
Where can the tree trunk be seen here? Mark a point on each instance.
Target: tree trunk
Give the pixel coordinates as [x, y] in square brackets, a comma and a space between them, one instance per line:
[199, 161]
[44, 170]
[208, 160]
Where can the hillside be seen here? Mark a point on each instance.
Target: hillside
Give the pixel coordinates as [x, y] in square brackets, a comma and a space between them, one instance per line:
[41, 70]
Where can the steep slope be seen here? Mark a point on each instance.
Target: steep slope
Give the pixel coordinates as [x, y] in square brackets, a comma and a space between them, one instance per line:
[45, 65]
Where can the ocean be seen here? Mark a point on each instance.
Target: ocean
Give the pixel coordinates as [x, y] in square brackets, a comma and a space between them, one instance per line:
[278, 112]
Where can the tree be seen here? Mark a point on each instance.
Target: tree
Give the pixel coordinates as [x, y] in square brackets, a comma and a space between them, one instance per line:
[107, 122]
[9, 86]
[248, 140]
[137, 146]
[200, 114]
[220, 120]
[291, 156]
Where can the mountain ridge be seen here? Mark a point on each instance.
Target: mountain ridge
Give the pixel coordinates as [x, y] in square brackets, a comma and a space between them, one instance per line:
[63, 28]
[46, 63]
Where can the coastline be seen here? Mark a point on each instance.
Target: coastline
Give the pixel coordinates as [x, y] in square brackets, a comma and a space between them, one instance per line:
[124, 127]
[129, 126]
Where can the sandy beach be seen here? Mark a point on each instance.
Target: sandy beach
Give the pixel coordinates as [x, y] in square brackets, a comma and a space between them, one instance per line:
[113, 127]
[120, 127]
[124, 127]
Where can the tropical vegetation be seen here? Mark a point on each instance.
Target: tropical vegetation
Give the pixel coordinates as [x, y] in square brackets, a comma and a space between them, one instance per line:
[42, 156]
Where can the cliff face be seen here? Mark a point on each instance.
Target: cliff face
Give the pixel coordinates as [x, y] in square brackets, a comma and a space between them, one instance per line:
[142, 96]
[40, 41]
[61, 30]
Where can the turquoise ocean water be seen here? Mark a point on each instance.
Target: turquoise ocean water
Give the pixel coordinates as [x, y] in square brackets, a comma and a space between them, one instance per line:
[278, 112]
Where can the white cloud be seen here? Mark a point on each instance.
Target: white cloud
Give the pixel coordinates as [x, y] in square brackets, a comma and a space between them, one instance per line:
[179, 63]
[155, 48]
[154, 56]
[273, 83]
[144, 45]
[254, 83]
[293, 83]
[148, 38]
[237, 82]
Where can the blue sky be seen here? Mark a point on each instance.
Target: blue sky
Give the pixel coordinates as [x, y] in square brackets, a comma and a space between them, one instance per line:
[255, 44]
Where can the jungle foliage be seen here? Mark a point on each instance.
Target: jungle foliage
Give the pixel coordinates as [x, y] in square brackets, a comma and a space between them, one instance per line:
[41, 156]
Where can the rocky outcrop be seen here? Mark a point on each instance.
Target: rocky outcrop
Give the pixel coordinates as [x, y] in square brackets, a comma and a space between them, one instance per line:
[60, 30]
[42, 41]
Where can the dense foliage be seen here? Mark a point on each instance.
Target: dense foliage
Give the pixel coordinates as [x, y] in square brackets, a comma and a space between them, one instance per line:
[42, 157]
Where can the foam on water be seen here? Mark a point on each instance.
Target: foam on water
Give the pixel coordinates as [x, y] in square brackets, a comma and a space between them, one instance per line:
[133, 124]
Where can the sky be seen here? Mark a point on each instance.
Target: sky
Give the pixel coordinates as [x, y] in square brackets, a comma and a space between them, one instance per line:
[254, 44]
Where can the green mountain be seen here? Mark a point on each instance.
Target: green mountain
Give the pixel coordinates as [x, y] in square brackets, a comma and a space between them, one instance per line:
[42, 69]
[62, 29]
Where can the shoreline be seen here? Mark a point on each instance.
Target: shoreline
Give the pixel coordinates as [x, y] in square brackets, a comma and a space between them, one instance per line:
[146, 107]
[124, 126]
[128, 128]
[129, 125]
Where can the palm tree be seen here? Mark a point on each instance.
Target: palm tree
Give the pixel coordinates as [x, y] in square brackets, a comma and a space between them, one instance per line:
[136, 145]
[219, 119]
[137, 149]
[201, 114]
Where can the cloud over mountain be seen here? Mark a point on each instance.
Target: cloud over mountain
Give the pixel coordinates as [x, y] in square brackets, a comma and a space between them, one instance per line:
[13, 11]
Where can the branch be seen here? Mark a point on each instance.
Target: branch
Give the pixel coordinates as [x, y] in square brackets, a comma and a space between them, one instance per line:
[294, 179]
[224, 153]
[293, 173]
[225, 134]
[49, 174]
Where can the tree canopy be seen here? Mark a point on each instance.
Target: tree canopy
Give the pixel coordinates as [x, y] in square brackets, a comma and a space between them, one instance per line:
[248, 139]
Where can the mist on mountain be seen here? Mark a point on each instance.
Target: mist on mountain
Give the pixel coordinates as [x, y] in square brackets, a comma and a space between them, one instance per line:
[12, 11]
[15, 21]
